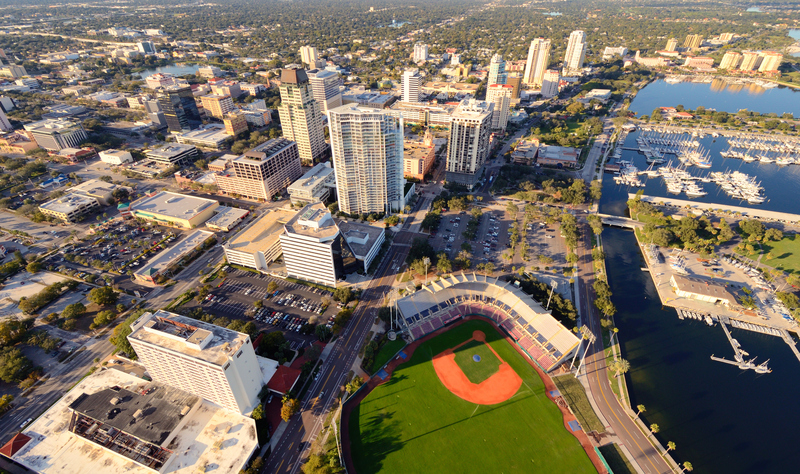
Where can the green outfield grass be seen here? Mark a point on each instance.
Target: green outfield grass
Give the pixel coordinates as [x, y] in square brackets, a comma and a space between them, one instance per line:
[413, 424]
[477, 372]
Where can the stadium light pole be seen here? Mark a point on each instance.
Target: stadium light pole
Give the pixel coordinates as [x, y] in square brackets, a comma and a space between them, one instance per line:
[588, 335]
[553, 286]
[426, 261]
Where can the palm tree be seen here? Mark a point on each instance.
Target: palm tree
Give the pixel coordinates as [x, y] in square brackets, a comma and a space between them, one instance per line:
[641, 409]
[621, 367]
[687, 466]
[670, 446]
[654, 428]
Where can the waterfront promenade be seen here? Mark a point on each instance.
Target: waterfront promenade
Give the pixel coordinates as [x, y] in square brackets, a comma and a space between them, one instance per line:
[721, 208]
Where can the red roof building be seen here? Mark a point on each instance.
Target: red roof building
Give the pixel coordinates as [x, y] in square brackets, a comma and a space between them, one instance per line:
[14, 444]
[283, 380]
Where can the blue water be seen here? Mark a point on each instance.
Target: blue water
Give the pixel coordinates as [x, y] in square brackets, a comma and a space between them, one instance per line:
[795, 34]
[754, 10]
[722, 419]
[717, 95]
[175, 70]
[780, 182]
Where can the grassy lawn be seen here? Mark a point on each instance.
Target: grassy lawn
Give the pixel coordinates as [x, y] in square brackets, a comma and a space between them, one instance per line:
[616, 459]
[386, 352]
[575, 395]
[413, 424]
[785, 253]
[477, 372]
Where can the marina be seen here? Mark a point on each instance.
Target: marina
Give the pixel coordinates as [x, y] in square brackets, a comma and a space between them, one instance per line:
[720, 209]
[739, 354]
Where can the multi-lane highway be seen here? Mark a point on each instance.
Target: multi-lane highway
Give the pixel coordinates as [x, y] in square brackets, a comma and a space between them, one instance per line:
[644, 454]
[304, 428]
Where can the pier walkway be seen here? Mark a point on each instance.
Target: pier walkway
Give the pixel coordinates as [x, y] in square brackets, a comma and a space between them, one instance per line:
[787, 338]
[718, 208]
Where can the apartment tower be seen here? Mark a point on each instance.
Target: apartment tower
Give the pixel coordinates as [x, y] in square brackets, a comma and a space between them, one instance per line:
[538, 58]
[576, 52]
[367, 148]
[500, 95]
[497, 71]
[412, 85]
[469, 144]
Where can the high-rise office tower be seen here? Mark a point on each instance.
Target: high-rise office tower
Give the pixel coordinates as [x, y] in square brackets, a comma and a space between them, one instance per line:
[469, 144]
[731, 60]
[301, 118]
[693, 41]
[201, 358]
[552, 77]
[412, 85]
[217, 105]
[672, 44]
[576, 51]
[497, 71]
[263, 171]
[180, 109]
[538, 57]
[325, 87]
[309, 56]
[420, 52]
[515, 80]
[499, 95]
[146, 47]
[367, 149]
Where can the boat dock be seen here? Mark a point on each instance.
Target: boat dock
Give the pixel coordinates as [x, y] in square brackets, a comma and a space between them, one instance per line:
[739, 354]
[787, 338]
[713, 207]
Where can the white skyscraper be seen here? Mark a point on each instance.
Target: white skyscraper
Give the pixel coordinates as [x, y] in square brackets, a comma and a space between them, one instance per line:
[201, 358]
[367, 148]
[412, 85]
[420, 52]
[497, 71]
[325, 87]
[576, 52]
[309, 56]
[550, 83]
[469, 144]
[538, 58]
[500, 96]
[301, 117]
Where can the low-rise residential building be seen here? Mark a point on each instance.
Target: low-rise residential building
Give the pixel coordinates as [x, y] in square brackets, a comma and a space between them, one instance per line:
[69, 207]
[313, 186]
[252, 89]
[174, 154]
[173, 209]
[257, 118]
[209, 71]
[12, 70]
[163, 262]
[73, 156]
[699, 62]
[235, 124]
[115, 157]
[217, 105]
[525, 152]
[258, 245]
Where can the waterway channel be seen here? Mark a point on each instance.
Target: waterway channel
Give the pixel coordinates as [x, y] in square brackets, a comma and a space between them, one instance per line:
[722, 419]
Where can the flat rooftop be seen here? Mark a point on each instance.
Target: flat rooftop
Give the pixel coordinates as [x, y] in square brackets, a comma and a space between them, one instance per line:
[210, 133]
[168, 257]
[149, 416]
[320, 172]
[223, 343]
[265, 150]
[314, 220]
[51, 125]
[262, 233]
[53, 449]
[178, 206]
[94, 187]
[67, 203]
[169, 151]
[360, 237]
[226, 217]
[416, 150]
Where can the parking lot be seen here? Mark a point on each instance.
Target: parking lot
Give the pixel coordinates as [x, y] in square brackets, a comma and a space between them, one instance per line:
[490, 241]
[292, 309]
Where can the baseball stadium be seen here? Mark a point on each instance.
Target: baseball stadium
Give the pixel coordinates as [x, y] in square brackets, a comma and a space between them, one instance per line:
[470, 393]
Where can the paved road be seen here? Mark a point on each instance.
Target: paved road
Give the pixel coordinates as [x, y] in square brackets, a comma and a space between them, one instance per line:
[304, 428]
[645, 455]
[61, 379]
